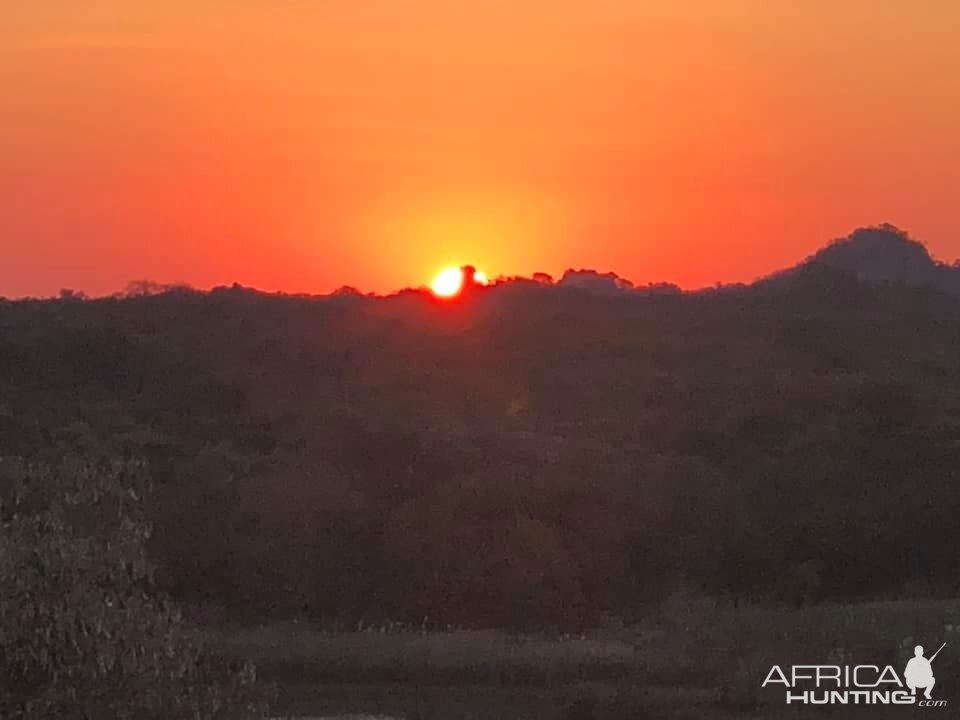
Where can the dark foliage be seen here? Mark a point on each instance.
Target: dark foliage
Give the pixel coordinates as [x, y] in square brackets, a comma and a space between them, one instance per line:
[83, 634]
[537, 454]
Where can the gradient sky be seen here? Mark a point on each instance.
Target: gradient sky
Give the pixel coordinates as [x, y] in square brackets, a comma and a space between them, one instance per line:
[306, 144]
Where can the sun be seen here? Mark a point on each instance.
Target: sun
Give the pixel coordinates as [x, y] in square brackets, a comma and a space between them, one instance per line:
[449, 282]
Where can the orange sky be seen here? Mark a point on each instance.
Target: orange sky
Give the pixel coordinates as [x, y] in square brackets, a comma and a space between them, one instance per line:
[306, 144]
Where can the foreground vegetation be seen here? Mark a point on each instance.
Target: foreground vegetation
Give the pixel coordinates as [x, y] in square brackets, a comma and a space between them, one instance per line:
[82, 634]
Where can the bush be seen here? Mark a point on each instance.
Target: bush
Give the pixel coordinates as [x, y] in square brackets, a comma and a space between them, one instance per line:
[83, 635]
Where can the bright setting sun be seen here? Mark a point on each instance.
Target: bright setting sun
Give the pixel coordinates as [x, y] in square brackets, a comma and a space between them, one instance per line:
[449, 281]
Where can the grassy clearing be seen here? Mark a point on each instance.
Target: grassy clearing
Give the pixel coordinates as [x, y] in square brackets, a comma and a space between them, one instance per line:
[692, 658]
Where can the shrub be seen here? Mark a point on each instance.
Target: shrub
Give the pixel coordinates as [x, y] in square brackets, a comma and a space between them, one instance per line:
[82, 633]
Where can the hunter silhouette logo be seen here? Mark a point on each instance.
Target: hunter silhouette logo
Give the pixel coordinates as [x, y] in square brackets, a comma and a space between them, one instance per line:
[919, 671]
[858, 684]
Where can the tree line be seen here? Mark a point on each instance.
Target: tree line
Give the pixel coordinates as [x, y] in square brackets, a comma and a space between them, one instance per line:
[534, 455]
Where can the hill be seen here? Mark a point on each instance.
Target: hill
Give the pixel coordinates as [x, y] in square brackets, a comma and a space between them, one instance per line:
[882, 254]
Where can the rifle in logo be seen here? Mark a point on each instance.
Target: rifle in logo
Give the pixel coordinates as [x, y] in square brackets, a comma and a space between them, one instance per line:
[919, 671]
